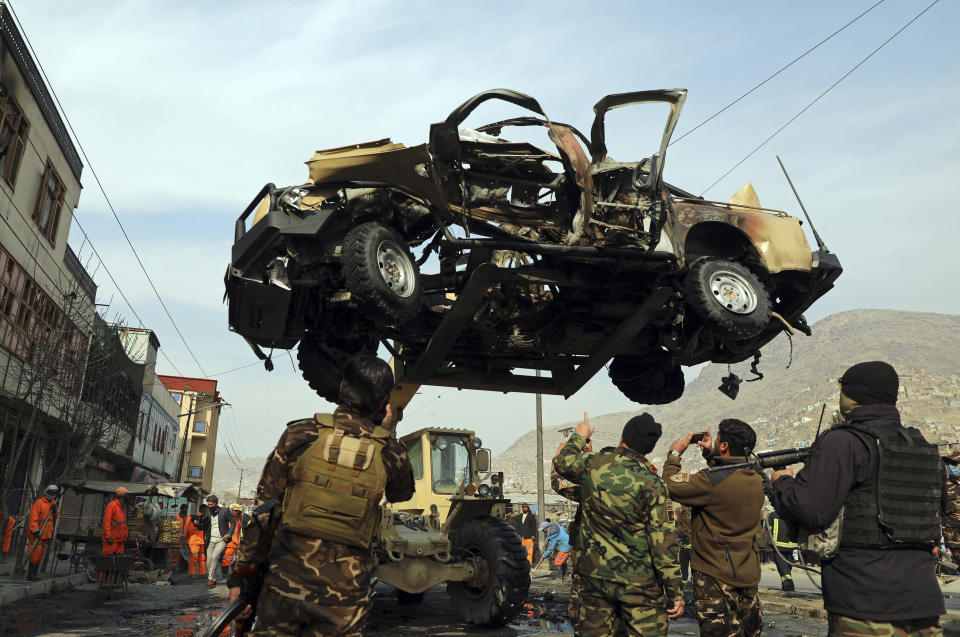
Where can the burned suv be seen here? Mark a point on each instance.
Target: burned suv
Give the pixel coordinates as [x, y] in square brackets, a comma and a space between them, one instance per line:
[476, 261]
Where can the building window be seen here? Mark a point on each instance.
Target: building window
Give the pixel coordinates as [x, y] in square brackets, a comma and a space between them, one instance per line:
[49, 203]
[28, 316]
[13, 136]
[195, 472]
[199, 427]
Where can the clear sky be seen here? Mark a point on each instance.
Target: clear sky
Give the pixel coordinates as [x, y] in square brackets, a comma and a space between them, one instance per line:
[186, 109]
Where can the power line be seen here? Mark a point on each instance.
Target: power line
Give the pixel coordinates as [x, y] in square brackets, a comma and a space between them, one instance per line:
[435, 398]
[817, 99]
[120, 291]
[86, 238]
[104, 193]
[781, 70]
[235, 369]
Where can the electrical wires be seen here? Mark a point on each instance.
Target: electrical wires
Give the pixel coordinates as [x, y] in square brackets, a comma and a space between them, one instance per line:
[107, 200]
[779, 71]
[818, 97]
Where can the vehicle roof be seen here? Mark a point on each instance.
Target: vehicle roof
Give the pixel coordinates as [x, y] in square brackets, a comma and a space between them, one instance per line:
[438, 430]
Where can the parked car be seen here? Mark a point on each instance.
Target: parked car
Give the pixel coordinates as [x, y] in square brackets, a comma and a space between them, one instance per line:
[475, 261]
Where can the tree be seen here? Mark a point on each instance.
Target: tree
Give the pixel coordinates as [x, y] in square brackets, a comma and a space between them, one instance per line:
[70, 393]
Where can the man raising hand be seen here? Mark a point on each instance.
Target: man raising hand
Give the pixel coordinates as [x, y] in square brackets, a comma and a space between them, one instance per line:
[628, 568]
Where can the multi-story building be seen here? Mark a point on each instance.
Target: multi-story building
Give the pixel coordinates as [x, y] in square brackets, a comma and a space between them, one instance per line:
[46, 296]
[155, 444]
[200, 404]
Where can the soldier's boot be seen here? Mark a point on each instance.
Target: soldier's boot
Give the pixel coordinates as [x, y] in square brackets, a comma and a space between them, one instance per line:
[32, 573]
[786, 584]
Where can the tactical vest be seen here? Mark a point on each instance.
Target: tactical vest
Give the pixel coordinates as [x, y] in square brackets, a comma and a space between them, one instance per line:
[336, 485]
[898, 506]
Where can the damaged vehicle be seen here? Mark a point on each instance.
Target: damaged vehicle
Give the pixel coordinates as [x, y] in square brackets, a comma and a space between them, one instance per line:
[481, 263]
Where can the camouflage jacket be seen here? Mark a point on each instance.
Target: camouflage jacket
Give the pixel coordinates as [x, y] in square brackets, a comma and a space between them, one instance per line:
[951, 515]
[571, 492]
[626, 533]
[309, 569]
[682, 520]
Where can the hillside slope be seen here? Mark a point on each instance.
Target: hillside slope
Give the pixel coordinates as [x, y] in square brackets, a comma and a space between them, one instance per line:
[785, 406]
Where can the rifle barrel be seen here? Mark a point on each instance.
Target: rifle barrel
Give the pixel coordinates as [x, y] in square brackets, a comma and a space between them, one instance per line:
[770, 459]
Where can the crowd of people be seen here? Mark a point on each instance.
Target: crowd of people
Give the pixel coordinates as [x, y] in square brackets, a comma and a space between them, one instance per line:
[869, 502]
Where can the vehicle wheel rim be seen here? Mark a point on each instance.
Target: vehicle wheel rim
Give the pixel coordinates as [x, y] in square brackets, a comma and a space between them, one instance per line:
[733, 292]
[396, 269]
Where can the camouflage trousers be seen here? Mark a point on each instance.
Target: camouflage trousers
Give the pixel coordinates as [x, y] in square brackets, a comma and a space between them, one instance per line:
[724, 610]
[604, 608]
[278, 615]
[849, 627]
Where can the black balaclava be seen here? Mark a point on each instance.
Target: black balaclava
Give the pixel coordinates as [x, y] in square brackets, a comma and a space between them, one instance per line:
[871, 383]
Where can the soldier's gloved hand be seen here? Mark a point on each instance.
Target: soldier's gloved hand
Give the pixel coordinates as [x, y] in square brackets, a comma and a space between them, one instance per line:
[584, 428]
[676, 610]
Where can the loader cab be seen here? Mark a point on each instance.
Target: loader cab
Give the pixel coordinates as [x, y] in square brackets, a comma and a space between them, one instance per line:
[447, 466]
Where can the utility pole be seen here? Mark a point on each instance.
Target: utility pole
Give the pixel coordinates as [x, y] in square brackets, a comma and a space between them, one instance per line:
[541, 512]
[186, 434]
[241, 482]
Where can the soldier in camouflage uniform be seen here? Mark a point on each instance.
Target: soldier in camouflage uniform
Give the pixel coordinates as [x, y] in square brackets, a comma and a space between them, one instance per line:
[315, 586]
[627, 565]
[951, 513]
[571, 492]
[682, 521]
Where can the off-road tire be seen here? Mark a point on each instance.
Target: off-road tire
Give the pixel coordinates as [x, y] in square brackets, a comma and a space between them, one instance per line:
[319, 369]
[361, 269]
[720, 317]
[501, 598]
[407, 599]
[653, 379]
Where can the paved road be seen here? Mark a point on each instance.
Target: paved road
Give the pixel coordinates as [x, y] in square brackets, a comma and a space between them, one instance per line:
[181, 610]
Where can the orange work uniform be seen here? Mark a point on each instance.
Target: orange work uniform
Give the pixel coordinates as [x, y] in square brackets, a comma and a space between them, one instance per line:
[182, 521]
[43, 513]
[114, 528]
[198, 554]
[232, 545]
[8, 535]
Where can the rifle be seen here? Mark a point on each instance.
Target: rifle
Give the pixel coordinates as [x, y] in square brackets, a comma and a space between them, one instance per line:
[768, 460]
[250, 578]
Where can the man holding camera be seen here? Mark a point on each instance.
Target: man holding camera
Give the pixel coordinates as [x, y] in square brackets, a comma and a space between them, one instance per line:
[878, 485]
[727, 506]
[628, 571]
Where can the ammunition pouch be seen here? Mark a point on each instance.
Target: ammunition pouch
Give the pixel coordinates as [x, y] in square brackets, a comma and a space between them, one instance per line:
[336, 486]
[824, 544]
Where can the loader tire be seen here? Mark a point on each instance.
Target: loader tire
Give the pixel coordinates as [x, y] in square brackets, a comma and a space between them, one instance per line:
[497, 594]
